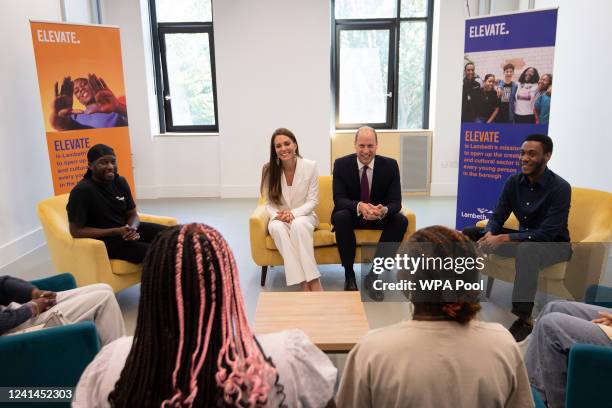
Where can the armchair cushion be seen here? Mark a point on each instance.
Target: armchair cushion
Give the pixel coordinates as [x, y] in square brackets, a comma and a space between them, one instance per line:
[599, 295]
[55, 356]
[120, 267]
[589, 374]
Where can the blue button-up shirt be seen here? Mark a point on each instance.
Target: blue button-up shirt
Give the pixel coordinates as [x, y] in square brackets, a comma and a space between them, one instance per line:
[542, 208]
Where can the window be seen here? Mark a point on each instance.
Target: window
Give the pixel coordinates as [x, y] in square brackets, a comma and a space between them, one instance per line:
[184, 60]
[381, 61]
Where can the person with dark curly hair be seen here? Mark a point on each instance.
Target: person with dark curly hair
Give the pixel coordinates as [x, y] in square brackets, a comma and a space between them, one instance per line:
[442, 357]
[526, 95]
[193, 345]
[542, 103]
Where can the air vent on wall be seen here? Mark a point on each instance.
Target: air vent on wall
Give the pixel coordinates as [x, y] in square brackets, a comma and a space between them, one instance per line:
[415, 162]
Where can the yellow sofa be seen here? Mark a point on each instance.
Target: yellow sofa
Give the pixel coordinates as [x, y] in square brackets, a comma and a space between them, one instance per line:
[86, 258]
[590, 227]
[264, 251]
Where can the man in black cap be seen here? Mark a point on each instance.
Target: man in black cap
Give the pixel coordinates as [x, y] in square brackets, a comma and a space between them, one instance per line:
[101, 207]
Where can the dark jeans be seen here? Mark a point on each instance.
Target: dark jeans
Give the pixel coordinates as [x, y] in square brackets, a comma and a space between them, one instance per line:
[530, 259]
[393, 229]
[524, 118]
[133, 251]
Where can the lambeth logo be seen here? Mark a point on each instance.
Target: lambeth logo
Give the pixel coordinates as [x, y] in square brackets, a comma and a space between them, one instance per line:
[481, 214]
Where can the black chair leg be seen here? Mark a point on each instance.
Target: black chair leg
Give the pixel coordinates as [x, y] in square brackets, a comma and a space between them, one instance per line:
[490, 282]
[264, 272]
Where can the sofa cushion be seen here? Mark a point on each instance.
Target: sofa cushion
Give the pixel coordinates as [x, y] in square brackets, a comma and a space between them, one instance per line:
[322, 237]
[364, 236]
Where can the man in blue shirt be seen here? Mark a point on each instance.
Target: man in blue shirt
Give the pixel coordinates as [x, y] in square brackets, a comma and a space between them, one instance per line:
[540, 199]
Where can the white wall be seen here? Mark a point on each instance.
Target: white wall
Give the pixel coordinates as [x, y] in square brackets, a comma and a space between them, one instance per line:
[80, 11]
[273, 64]
[272, 61]
[25, 178]
[446, 74]
[580, 107]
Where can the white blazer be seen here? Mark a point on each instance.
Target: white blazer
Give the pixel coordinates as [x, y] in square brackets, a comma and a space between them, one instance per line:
[303, 196]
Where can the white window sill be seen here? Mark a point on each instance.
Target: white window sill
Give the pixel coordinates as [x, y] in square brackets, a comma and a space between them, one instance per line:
[174, 135]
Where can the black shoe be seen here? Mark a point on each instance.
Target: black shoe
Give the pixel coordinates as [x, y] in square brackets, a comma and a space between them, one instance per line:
[375, 295]
[520, 329]
[350, 284]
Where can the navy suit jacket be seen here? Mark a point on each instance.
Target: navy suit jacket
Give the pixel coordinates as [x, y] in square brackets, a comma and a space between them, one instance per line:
[386, 189]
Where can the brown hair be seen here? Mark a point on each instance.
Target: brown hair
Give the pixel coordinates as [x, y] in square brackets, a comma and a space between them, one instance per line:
[271, 172]
[442, 242]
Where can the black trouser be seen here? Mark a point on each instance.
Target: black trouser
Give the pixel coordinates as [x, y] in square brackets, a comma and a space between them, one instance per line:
[530, 259]
[393, 229]
[133, 251]
[524, 118]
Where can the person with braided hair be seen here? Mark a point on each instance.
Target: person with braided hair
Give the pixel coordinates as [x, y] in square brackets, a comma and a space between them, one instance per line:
[193, 346]
[442, 357]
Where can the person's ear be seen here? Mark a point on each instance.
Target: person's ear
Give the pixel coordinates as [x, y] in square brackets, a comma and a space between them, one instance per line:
[547, 156]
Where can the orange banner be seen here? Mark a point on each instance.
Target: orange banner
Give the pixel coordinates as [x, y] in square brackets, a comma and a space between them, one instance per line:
[80, 76]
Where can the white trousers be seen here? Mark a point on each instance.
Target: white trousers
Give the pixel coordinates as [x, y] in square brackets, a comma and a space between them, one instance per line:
[295, 244]
[92, 302]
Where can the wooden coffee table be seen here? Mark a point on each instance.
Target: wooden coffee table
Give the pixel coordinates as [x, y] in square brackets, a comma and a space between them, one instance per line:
[334, 321]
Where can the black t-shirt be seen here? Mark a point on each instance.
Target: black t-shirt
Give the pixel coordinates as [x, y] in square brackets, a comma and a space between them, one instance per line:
[504, 107]
[100, 205]
[470, 100]
[488, 103]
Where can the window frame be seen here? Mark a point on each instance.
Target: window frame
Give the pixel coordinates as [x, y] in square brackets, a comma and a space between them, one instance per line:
[350, 25]
[393, 74]
[162, 84]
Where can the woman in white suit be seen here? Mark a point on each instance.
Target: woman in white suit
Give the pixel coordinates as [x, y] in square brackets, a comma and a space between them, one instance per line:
[290, 185]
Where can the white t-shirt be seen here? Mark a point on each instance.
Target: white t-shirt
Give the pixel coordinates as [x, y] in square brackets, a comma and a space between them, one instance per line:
[305, 372]
[525, 99]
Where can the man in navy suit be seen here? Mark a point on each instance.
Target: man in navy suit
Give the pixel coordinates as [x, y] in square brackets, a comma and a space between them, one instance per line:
[367, 195]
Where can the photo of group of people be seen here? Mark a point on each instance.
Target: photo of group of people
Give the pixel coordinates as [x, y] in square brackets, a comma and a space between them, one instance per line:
[100, 107]
[491, 99]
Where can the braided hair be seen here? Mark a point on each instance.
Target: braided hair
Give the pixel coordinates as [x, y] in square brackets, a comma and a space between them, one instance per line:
[193, 345]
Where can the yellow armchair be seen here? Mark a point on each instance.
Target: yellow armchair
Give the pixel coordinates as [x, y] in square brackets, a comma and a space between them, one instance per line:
[86, 258]
[265, 253]
[590, 227]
